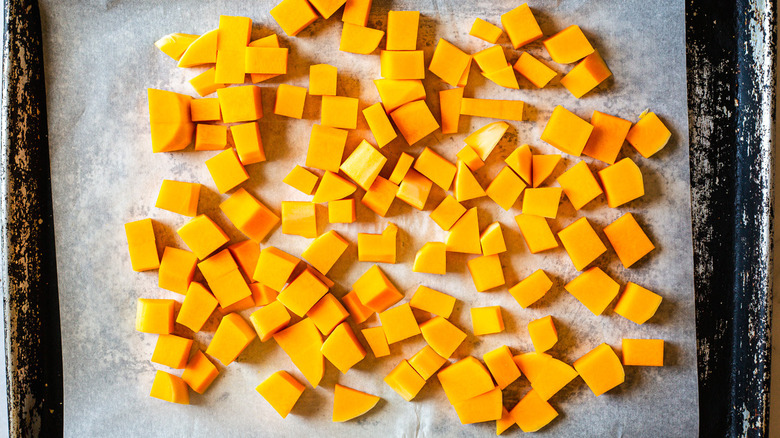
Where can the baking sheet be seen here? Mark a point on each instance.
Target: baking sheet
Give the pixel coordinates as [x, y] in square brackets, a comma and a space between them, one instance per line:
[100, 58]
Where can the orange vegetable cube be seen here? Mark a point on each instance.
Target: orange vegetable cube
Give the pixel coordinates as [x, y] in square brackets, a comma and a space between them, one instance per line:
[357, 310]
[442, 336]
[470, 158]
[431, 259]
[643, 352]
[270, 41]
[536, 232]
[601, 369]
[198, 305]
[543, 333]
[521, 26]
[230, 67]
[176, 269]
[380, 196]
[290, 100]
[172, 351]
[327, 314]
[609, 133]
[628, 239]
[485, 31]
[142, 245]
[301, 179]
[581, 243]
[170, 388]
[154, 316]
[375, 336]
[302, 342]
[233, 335]
[534, 70]
[204, 83]
[249, 215]
[396, 92]
[486, 272]
[569, 45]
[580, 185]
[404, 380]
[436, 168]
[594, 289]
[293, 15]
[379, 248]
[322, 80]
[491, 59]
[586, 75]
[356, 12]
[492, 108]
[240, 104]
[332, 187]
[274, 267]
[341, 211]
[205, 110]
[432, 301]
[466, 185]
[449, 62]
[492, 240]
[380, 125]
[402, 166]
[364, 164]
[622, 182]
[350, 403]
[501, 365]
[342, 348]
[226, 170]
[199, 372]
[325, 250]
[484, 407]
[649, 135]
[543, 166]
[302, 293]
[637, 303]
[339, 112]
[202, 236]
[485, 139]
[359, 39]
[414, 189]
[426, 362]
[399, 323]
[269, 319]
[265, 60]
[175, 44]
[521, 161]
[299, 218]
[566, 131]
[465, 379]
[375, 291]
[447, 213]
[414, 120]
[449, 104]
[408, 64]
[531, 289]
[224, 279]
[201, 51]
[486, 320]
[542, 201]
[505, 188]
[546, 374]
[233, 32]
[169, 119]
[464, 235]
[249, 144]
[402, 30]
[533, 412]
[280, 389]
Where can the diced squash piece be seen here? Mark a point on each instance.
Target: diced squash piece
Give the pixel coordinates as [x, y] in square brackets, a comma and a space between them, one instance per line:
[269, 319]
[302, 342]
[521, 26]
[628, 239]
[542, 201]
[233, 335]
[280, 389]
[485, 31]
[174, 44]
[637, 303]
[341, 211]
[364, 164]
[170, 120]
[266, 61]
[274, 267]
[485, 139]
[449, 62]
[177, 267]
[433, 301]
[325, 250]
[201, 51]
[339, 112]
[375, 290]
[326, 8]
[172, 351]
[414, 120]
[521, 161]
[442, 336]
[534, 70]
[431, 259]
[380, 125]
[204, 84]
[240, 104]
[501, 365]
[464, 235]
[170, 388]
[581, 243]
[536, 233]
[505, 188]
[223, 277]
[142, 244]
[546, 374]
[492, 108]
[486, 320]
[332, 188]
[342, 348]
[380, 248]
[505, 422]
[492, 240]
[580, 185]
[609, 133]
[465, 379]
[408, 64]
[402, 166]
[380, 196]
[449, 103]
[154, 316]
[533, 412]
[399, 323]
[402, 30]
[414, 189]
[491, 59]
[530, 289]
[504, 77]
[350, 403]
[327, 314]
[436, 168]
[270, 41]
[543, 333]
[290, 100]
[322, 80]
[447, 213]
[426, 362]
[622, 182]
[302, 293]
[566, 131]
[586, 75]
[649, 135]
[375, 336]
[326, 147]
[299, 218]
[301, 179]
[394, 92]
[356, 12]
[484, 407]
[357, 310]
[359, 39]
[198, 305]
[199, 372]
[249, 215]
[543, 166]
[226, 170]
[202, 236]
[594, 289]
[642, 352]
[466, 185]
[205, 110]
[486, 272]
[470, 158]
[404, 380]
[601, 369]
[249, 144]
[568, 46]
[293, 15]
[233, 32]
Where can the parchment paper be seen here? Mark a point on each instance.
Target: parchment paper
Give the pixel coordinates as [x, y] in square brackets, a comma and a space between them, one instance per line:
[100, 60]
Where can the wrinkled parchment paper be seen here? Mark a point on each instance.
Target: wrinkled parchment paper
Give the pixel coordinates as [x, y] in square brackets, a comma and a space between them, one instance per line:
[100, 59]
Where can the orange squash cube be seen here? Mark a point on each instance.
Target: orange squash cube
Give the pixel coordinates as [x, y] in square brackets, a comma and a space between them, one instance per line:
[302, 342]
[380, 248]
[265, 60]
[357, 310]
[546, 374]
[492, 108]
[325, 250]
[521, 26]
[233, 335]
[637, 303]
[449, 62]
[226, 170]
[534, 70]
[240, 104]
[622, 182]
[249, 215]
[436, 168]
[431, 259]
[169, 120]
[586, 75]
[301, 179]
[533, 412]
[628, 239]
[536, 232]
[302, 293]
[380, 196]
[470, 158]
[199, 372]
[447, 213]
[198, 305]
[594, 289]
[491, 59]
[223, 277]
[492, 240]
[542, 167]
[649, 135]
[408, 64]
[280, 389]
[359, 39]
[414, 189]
[350, 403]
[485, 139]
[375, 290]
[290, 100]
[205, 110]
[396, 92]
[402, 30]
[580, 185]
[341, 211]
[601, 369]
[486, 272]
[501, 365]
[566, 131]
[399, 323]
[581, 243]
[142, 245]
[375, 336]
[568, 46]
[414, 120]
[505, 188]
[201, 51]
[484, 407]
[269, 319]
[463, 237]
[543, 333]
[504, 77]
[356, 12]
[299, 218]
[609, 133]
[449, 104]
[175, 44]
[326, 148]
[432, 301]
[402, 166]
[172, 351]
[332, 187]
[154, 316]
[204, 85]
[326, 8]
[202, 236]
[486, 320]
[293, 15]
[177, 268]
[465, 379]
[274, 267]
[170, 388]
[233, 32]
[505, 422]
[442, 336]
[542, 201]
[404, 380]
[521, 161]
[643, 352]
[380, 125]
[271, 41]
[485, 31]
[249, 144]
[364, 164]
[531, 289]
[322, 80]
[210, 137]
[342, 348]
[230, 67]
[426, 362]
[339, 112]
[327, 314]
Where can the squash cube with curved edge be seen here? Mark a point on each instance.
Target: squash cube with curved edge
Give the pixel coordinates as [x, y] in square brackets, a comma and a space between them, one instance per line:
[637, 303]
[199, 372]
[170, 388]
[281, 391]
[431, 259]
[327, 313]
[342, 348]
[269, 319]
[350, 403]
[442, 336]
[249, 215]
[532, 412]
[375, 290]
[530, 289]
[293, 15]
[601, 369]
[649, 135]
[622, 182]
[232, 336]
[404, 380]
[154, 316]
[465, 379]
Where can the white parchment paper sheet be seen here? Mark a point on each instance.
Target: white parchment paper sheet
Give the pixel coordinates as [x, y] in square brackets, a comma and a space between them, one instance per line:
[100, 59]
